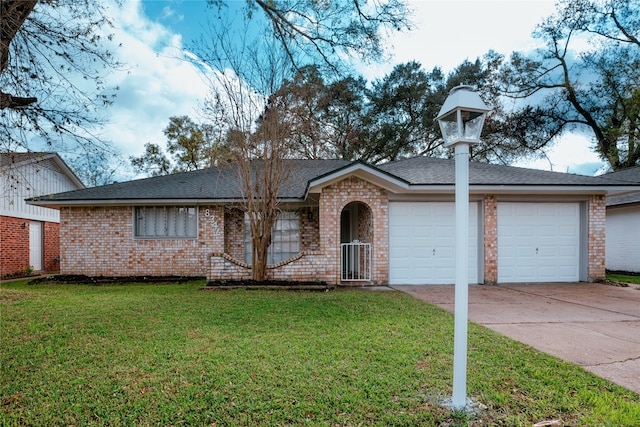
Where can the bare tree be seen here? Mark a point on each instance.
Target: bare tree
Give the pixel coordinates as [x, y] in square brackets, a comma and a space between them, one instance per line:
[54, 55]
[248, 59]
[260, 163]
[242, 78]
[13, 13]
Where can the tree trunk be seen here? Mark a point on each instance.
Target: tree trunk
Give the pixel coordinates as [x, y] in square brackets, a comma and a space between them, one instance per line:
[13, 13]
[259, 267]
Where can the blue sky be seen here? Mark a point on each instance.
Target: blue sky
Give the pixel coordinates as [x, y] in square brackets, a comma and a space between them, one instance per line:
[157, 85]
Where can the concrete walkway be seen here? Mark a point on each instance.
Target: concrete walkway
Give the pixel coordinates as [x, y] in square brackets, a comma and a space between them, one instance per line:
[593, 325]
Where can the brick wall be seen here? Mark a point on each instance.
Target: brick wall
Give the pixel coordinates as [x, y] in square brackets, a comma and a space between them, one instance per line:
[98, 241]
[51, 246]
[234, 233]
[14, 246]
[597, 235]
[490, 240]
[306, 266]
[309, 229]
[332, 201]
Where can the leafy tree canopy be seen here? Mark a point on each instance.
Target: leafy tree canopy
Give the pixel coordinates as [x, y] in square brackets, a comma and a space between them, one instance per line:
[596, 90]
[190, 146]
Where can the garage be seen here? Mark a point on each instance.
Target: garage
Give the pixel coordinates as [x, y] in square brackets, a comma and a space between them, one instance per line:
[538, 242]
[422, 243]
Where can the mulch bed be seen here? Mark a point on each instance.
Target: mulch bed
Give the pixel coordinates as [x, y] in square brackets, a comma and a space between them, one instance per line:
[212, 285]
[267, 284]
[103, 280]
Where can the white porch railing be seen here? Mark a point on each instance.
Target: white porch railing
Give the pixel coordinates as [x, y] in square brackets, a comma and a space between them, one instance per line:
[355, 261]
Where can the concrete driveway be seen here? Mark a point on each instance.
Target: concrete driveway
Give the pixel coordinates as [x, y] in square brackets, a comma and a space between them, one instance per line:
[593, 325]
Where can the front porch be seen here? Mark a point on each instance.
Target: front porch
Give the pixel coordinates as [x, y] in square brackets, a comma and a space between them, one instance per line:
[337, 240]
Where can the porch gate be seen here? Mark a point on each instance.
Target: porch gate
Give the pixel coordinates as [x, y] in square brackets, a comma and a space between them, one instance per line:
[355, 261]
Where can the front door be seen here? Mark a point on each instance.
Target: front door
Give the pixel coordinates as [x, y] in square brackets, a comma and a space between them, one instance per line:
[35, 245]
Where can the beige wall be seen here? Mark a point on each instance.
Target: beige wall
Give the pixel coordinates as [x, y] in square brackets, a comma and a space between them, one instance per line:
[98, 241]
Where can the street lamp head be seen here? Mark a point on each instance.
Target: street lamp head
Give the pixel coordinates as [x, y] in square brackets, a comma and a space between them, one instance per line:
[462, 116]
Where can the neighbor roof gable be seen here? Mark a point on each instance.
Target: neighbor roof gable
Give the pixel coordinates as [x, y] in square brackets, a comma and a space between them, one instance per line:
[12, 159]
[631, 175]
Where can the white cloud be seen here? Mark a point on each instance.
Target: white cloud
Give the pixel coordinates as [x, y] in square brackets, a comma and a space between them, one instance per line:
[155, 85]
[571, 154]
[448, 32]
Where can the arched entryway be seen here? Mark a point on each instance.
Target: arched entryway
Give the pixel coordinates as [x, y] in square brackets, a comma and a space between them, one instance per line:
[356, 242]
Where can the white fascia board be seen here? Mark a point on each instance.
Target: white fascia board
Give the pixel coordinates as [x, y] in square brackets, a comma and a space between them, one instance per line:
[360, 170]
[56, 204]
[553, 189]
[517, 189]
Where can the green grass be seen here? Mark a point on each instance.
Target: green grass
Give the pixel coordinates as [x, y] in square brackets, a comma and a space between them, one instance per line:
[624, 278]
[160, 355]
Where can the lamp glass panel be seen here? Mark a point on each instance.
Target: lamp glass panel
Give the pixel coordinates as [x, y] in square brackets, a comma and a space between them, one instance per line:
[473, 127]
[449, 130]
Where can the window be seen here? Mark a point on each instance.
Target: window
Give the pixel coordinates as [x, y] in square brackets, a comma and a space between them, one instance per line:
[166, 222]
[285, 238]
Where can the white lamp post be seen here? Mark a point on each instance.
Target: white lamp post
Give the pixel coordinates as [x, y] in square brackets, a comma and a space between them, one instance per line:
[461, 119]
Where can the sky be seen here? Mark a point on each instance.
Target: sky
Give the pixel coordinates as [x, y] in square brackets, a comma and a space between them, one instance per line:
[156, 85]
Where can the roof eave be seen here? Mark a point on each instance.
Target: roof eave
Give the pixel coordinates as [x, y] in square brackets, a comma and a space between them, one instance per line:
[513, 189]
[56, 204]
[360, 170]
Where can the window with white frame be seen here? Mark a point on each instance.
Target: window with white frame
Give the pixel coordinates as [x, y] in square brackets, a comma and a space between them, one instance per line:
[166, 222]
[285, 238]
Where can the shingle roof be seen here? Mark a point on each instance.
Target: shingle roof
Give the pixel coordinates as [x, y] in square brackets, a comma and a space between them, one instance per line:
[631, 175]
[427, 170]
[222, 183]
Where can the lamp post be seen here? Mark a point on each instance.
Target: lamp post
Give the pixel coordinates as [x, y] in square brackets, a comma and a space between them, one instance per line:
[461, 119]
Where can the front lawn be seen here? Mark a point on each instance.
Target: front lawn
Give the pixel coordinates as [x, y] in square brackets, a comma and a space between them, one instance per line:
[169, 354]
[624, 278]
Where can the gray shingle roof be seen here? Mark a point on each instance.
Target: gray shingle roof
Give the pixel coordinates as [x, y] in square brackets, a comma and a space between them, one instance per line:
[427, 170]
[631, 175]
[222, 183]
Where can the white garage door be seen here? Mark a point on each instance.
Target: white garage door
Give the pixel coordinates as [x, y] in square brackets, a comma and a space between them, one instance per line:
[422, 243]
[538, 242]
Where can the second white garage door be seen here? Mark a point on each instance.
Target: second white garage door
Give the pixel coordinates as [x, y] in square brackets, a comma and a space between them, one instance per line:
[422, 243]
[538, 242]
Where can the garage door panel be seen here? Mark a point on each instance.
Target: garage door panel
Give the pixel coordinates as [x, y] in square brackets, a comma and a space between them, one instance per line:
[538, 242]
[422, 243]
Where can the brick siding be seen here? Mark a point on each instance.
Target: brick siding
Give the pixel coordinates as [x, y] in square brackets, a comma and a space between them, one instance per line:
[14, 246]
[333, 200]
[490, 240]
[51, 246]
[98, 241]
[597, 238]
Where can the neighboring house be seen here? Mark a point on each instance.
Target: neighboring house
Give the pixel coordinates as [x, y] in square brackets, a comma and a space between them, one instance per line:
[29, 235]
[344, 222]
[623, 225]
